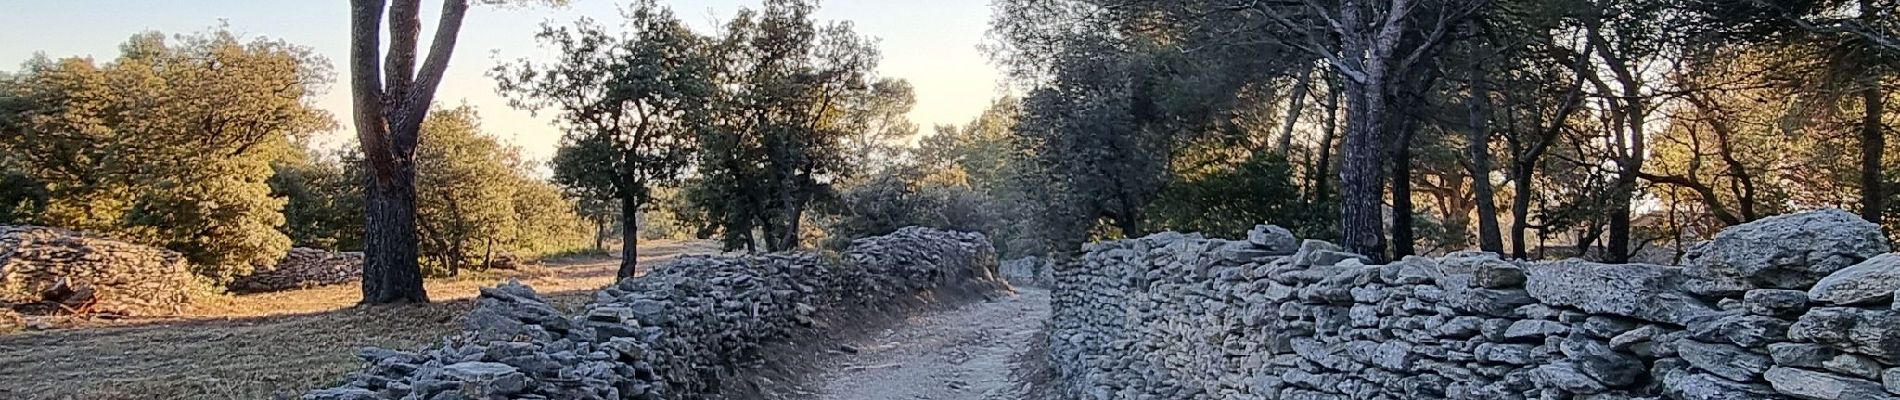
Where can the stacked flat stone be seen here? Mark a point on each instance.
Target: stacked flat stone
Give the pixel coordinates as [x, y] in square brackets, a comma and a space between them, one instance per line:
[676, 333]
[1173, 316]
[123, 278]
[303, 268]
[1029, 271]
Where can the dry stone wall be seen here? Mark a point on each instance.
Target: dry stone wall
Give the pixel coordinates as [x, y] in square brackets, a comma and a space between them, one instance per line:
[303, 268]
[56, 270]
[1791, 307]
[677, 333]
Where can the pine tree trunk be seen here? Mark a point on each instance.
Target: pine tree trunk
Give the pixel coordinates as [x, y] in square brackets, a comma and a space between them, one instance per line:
[1873, 143]
[1298, 102]
[390, 270]
[1478, 145]
[600, 234]
[629, 239]
[1362, 175]
[1521, 208]
[1324, 162]
[1402, 238]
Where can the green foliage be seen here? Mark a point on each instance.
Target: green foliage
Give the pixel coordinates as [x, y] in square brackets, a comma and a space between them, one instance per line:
[169, 144]
[546, 222]
[475, 198]
[323, 200]
[663, 219]
[878, 125]
[1228, 202]
[632, 105]
[465, 188]
[21, 197]
[777, 144]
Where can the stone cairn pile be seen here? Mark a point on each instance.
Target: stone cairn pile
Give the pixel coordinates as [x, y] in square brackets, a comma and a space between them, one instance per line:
[676, 333]
[303, 268]
[1030, 271]
[55, 271]
[1791, 307]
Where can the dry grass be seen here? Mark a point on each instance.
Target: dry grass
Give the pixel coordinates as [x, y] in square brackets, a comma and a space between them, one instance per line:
[265, 345]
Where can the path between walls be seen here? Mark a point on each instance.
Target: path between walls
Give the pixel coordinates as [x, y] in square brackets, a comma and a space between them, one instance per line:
[960, 354]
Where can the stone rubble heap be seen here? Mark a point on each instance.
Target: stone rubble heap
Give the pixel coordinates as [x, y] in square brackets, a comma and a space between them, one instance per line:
[1791, 307]
[303, 268]
[677, 333]
[51, 270]
[1030, 271]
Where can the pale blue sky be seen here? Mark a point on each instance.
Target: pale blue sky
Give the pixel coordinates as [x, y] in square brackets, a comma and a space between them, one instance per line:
[931, 43]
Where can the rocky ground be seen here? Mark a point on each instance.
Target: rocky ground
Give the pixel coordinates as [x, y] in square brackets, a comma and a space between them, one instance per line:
[963, 353]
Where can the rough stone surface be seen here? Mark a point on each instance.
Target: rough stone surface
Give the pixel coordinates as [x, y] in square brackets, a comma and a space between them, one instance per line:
[40, 269]
[1167, 316]
[303, 268]
[1641, 291]
[1791, 251]
[1815, 385]
[1776, 302]
[1273, 240]
[1871, 281]
[676, 333]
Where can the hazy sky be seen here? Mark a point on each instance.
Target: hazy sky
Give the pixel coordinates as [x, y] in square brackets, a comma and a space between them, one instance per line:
[931, 43]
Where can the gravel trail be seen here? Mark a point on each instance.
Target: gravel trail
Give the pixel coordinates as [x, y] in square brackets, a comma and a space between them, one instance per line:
[960, 354]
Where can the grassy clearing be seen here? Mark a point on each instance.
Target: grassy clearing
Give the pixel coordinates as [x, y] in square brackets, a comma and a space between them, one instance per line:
[266, 345]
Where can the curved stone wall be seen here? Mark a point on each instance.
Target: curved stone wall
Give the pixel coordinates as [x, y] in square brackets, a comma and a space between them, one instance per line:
[1791, 307]
[676, 333]
[51, 270]
[303, 268]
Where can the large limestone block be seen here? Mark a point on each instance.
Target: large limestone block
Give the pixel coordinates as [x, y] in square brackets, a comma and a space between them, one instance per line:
[1871, 332]
[1642, 291]
[1791, 251]
[1814, 385]
[1870, 281]
[1273, 239]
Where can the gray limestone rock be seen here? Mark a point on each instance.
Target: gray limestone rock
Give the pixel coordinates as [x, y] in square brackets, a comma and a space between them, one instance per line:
[1752, 330]
[1693, 386]
[1853, 365]
[1815, 385]
[1642, 334]
[1567, 377]
[1873, 333]
[1534, 330]
[1499, 275]
[1870, 281]
[1273, 239]
[1783, 252]
[487, 377]
[1605, 327]
[1630, 290]
[1601, 363]
[1727, 361]
[1890, 379]
[1780, 303]
[1804, 355]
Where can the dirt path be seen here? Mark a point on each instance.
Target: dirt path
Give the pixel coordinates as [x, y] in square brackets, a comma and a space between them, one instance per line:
[964, 353]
